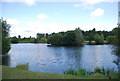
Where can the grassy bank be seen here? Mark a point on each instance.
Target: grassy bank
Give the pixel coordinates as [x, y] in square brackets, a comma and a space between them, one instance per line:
[20, 73]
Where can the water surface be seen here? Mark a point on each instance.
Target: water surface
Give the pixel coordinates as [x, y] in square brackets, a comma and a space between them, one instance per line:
[43, 58]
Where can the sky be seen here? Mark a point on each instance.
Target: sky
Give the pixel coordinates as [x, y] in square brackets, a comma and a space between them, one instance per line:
[28, 17]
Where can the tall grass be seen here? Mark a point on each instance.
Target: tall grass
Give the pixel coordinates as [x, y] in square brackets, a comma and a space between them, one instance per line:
[81, 71]
[102, 71]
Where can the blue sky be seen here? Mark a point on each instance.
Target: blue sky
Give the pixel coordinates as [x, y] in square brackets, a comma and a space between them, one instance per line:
[30, 17]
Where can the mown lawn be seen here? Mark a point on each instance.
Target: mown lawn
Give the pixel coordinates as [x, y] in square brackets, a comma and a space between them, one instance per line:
[18, 73]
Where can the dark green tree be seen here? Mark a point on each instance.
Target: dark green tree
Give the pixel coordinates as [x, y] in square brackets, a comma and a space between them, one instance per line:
[19, 36]
[14, 40]
[5, 36]
[117, 49]
[46, 35]
[78, 36]
[90, 38]
[111, 39]
[55, 39]
[98, 39]
[69, 39]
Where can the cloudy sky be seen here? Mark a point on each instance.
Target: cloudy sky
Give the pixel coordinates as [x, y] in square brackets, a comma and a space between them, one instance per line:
[28, 17]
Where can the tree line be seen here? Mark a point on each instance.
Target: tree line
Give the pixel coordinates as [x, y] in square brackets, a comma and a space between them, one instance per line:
[71, 37]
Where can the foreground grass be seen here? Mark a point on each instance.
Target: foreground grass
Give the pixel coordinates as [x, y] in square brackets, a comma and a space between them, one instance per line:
[18, 73]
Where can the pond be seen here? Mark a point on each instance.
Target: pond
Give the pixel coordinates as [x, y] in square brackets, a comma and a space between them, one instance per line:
[43, 58]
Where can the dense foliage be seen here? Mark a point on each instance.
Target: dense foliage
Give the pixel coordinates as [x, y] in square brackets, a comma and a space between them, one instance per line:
[14, 40]
[55, 39]
[99, 39]
[117, 50]
[81, 71]
[5, 33]
[111, 39]
[69, 38]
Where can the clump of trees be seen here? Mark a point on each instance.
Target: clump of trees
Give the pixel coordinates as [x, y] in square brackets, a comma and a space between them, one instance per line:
[14, 39]
[69, 38]
[41, 38]
[72, 37]
[55, 39]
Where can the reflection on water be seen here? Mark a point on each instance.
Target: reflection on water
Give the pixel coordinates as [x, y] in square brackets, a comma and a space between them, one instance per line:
[43, 58]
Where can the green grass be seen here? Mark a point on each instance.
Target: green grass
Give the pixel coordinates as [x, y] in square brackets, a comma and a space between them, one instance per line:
[25, 67]
[21, 73]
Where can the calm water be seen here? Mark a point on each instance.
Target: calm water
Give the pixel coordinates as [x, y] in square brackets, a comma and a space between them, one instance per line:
[43, 58]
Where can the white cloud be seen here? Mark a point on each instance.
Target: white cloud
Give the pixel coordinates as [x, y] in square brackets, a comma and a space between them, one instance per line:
[42, 16]
[12, 21]
[33, 27]
[97, 12]
[77, 5]
[15, 28]
[29, 2]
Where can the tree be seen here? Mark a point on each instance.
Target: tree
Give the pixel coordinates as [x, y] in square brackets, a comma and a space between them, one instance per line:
[117, 49]
[19, 36]
[102, 38]
[69, 39]
[98, 39]
[94, 30]
[111, 39]
[90, 38]
[43, 40]
[5, 35]
[39, 35]
[46, 35]
[78, 36]
[55, 39]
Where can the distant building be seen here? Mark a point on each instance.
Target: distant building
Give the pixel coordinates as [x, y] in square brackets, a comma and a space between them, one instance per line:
[119, 14]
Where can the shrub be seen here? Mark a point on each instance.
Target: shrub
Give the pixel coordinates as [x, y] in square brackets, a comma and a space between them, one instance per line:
[99, 39]
[111, 39]
[14, 40]
[81, 71]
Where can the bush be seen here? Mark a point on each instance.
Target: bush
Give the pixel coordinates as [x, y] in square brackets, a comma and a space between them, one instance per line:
[69, 39]
[99, 39]
[55, 39]
[43, 40]
[14, 40]
[70, 71]
[102, 71]
[81, 71]
[111, 39]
